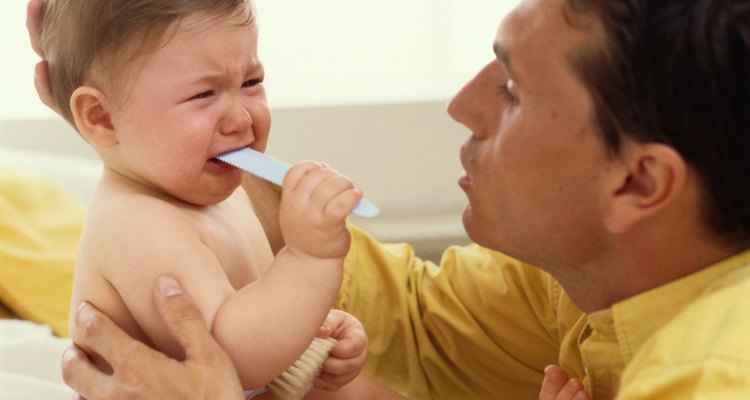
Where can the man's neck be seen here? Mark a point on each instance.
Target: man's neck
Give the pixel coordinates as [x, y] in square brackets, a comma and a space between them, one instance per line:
[641, 268]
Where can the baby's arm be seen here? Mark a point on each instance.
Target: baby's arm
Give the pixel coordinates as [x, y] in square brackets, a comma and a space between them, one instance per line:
[298, 290]
[264, 326]
[557, 385]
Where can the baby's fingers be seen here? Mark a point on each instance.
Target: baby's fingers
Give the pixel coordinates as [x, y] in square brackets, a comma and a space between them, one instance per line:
[314, 184]
[573, 390]
[300, 173]
[554, 380]
[341, 205]
[336, 196]
[352, 344]
[342, 370]
[557, 385]
[322, 188]
[349, 333]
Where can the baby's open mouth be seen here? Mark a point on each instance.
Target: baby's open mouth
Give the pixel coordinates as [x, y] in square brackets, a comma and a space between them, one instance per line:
[218, 163]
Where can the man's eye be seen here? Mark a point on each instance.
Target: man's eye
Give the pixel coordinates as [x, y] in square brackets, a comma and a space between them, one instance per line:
[505, 92]
[251, 82]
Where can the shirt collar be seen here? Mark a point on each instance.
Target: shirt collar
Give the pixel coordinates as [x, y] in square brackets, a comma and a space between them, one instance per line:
[635, 319]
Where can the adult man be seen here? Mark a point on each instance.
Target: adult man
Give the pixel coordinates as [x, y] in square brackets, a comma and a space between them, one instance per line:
[608, 148]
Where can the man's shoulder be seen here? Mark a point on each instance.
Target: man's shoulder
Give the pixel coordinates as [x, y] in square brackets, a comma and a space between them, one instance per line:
[705, 345]
[713, 326]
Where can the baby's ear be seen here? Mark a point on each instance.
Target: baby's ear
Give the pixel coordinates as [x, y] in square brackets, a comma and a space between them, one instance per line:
[92, 116]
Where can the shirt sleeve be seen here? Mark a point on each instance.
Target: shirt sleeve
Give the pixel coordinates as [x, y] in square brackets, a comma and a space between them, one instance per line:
[479, 325]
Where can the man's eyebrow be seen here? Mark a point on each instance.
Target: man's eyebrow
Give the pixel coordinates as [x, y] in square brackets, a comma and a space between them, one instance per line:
[502, 55]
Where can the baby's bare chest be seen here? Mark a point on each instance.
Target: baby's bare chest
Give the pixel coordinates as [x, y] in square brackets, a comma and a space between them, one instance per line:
[239, 244]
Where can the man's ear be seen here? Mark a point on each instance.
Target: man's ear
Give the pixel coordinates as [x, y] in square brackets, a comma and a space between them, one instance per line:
[650, 179]
[91, 113]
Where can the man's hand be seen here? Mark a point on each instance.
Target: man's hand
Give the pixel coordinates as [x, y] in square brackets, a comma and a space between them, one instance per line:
[41, 70]
[144, 373]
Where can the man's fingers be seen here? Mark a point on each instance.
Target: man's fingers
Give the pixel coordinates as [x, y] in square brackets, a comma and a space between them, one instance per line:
[44, 87]
[81, 375]
[41, 81]
[182, 318]
[186, 325]
[101, 335]
[33, 24]
[41, 70]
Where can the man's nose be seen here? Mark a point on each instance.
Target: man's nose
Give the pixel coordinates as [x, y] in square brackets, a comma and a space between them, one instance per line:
[472, 105]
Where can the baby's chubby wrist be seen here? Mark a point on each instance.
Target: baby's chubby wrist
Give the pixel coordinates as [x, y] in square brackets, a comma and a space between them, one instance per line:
[310, 243]
[319, 274]
[305, 257]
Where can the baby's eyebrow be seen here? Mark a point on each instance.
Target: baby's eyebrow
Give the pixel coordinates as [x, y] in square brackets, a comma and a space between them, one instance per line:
[214, 76]
[255, 68]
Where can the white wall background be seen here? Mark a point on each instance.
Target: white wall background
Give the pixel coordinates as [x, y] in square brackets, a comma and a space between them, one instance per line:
[359, 84]
[323, 52]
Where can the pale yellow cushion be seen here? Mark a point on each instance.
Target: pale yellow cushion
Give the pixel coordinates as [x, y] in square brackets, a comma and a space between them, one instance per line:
[40, 226]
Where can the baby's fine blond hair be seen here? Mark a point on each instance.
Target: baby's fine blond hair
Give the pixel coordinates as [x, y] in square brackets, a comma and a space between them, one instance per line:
[85, 41]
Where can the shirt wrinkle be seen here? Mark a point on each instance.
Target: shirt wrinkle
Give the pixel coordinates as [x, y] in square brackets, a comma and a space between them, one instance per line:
[518, 320]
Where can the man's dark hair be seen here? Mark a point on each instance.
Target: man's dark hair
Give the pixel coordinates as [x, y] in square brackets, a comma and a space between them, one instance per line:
[678, 72]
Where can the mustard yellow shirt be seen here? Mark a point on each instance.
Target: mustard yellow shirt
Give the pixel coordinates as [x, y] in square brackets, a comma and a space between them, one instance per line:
[478, 326]
[481, 325]
[704, 351]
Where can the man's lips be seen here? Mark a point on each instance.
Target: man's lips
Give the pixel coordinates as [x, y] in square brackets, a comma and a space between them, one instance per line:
[464, 180]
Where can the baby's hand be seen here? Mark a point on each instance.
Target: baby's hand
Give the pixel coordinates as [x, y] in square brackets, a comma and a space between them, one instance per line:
[315, 202]
[348, 355]
[557, 385]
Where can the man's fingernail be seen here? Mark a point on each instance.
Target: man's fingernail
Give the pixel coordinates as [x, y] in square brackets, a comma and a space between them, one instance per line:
[84, 310]
[84, 314]
[168, 286]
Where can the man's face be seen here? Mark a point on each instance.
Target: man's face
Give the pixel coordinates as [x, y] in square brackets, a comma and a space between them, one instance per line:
[534, 163]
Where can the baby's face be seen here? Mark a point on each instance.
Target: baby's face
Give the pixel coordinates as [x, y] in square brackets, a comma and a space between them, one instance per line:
[198, 96]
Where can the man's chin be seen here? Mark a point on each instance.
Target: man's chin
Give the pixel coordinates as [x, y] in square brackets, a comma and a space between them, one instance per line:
[473, 225]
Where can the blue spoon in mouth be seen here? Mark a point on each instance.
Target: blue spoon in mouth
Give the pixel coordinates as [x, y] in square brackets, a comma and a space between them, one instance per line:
[273, 170]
